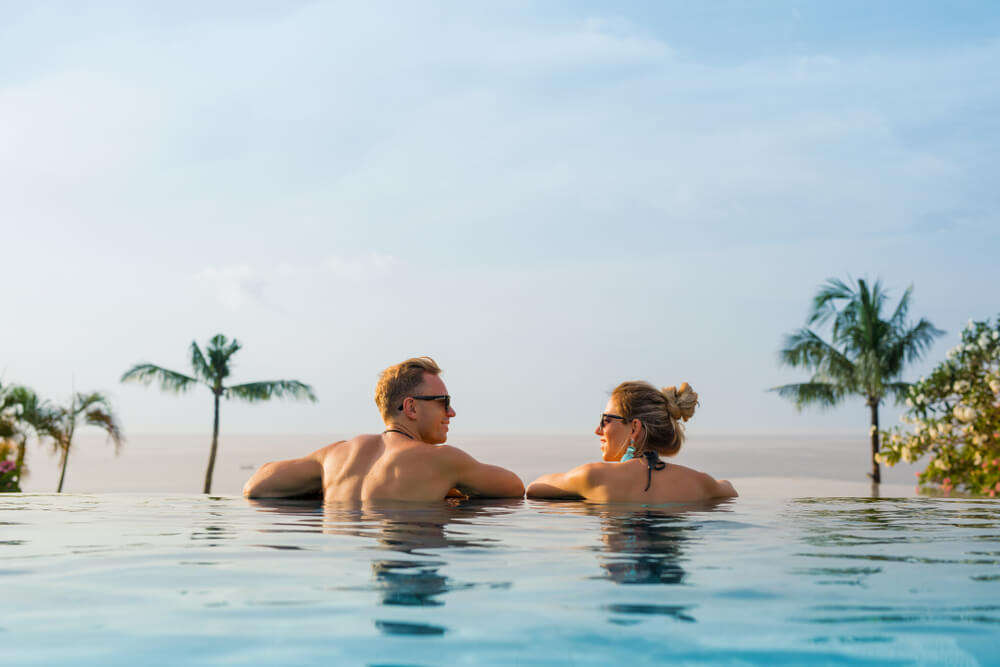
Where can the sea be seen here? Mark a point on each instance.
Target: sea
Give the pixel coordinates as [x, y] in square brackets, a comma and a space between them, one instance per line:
[768, 465]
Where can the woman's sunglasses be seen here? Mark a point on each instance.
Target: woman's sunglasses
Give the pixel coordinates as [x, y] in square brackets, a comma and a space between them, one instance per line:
[606, 417]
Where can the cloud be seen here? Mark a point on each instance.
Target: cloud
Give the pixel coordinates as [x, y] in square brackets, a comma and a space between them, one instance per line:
[240, 285]
[233, 286]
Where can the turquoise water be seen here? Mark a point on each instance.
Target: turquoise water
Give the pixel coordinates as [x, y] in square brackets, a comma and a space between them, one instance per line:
[115, 579]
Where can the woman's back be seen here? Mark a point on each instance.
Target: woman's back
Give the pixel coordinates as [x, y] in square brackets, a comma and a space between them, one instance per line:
[639, 425]
[626, 483]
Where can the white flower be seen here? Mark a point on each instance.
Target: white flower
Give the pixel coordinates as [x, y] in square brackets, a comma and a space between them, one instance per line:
[996, 335]
[952, 353]
[909, 402]
[908, 454]
[964, 413]
[918, 427]
[977, 459]
[872, 429]
[921, 398]
[970, 325]
[940, 465]
[984, 341]
[995, 386]
[961, 386]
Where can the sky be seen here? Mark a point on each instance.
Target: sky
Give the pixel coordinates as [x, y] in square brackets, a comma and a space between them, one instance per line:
[547, 197]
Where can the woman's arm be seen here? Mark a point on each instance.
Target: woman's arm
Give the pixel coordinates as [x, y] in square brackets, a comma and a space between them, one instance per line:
[573, 484]
[725, 489]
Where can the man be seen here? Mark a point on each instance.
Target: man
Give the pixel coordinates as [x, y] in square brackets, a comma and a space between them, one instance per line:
[405, 462]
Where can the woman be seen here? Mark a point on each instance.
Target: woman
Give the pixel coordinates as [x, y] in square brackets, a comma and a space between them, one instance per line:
[639, 425]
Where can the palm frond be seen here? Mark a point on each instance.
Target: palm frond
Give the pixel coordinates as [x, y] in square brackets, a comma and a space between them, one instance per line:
[898, 319]
[200, 366]
[898, 390]
[824, 394]
[263, 391]
[866, 353]
[35, 416]
[220, 349]
[825, 302]
[805, 349]
[169, 380]
[914, 342]
[104, 418]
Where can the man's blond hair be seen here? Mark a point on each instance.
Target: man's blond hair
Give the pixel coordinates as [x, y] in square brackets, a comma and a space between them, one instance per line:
[397, 382]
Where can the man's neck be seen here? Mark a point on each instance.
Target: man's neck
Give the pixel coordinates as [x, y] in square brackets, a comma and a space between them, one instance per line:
[401, 430]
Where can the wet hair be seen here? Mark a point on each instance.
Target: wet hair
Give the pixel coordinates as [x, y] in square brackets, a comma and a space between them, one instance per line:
[397, 382]
[661, 411]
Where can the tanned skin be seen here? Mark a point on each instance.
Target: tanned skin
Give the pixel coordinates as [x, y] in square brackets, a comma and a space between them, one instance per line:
[611, 481]
[407, 463]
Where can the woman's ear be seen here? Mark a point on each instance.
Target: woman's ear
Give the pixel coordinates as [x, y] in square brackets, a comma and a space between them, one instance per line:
[636, 429]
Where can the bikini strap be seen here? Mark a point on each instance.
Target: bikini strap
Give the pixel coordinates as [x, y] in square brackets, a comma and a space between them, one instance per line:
[654, 463]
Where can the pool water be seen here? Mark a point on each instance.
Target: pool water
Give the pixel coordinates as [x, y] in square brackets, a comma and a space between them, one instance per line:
[118, 579]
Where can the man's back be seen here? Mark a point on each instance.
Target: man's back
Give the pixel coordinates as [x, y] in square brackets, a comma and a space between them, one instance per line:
[382, 467]
[404, 462]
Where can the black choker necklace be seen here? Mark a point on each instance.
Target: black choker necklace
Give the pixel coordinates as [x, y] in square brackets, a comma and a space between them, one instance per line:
[396, 430]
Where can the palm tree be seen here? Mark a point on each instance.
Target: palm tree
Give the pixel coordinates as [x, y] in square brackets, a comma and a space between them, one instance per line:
[22, 416]
[866, 353]
[91, 409]
[211, 372]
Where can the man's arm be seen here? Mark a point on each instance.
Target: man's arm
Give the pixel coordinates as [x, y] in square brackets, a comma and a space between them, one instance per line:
[573, 484]
[294, 477]
[481, 479]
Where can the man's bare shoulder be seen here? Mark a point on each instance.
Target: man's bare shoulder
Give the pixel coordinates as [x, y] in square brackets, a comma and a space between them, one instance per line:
[450, 454]
[342, 446]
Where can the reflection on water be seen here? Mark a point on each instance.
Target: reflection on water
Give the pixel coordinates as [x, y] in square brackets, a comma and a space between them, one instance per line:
[408, 529]
[919, 544]
[644, 547]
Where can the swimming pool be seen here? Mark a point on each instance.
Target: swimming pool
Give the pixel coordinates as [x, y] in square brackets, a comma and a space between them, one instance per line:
[120, 579]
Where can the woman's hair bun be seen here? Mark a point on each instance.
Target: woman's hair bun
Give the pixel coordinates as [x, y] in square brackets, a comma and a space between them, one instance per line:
[681, 401]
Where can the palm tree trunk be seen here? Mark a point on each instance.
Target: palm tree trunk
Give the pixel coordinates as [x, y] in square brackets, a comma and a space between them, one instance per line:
[215, 446]
[21, 450]
[876, 473]
[62, 475]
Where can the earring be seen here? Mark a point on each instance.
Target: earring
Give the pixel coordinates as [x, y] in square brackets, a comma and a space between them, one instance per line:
[629, 452]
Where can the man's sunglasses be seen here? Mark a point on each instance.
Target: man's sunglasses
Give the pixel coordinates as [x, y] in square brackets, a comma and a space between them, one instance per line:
[443, 397]
[606, 417]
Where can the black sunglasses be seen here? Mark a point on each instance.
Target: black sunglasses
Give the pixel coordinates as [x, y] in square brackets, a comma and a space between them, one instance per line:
[606, 417]
[443, 397]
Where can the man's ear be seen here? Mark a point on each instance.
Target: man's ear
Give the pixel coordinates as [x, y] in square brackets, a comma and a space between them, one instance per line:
[409, 410]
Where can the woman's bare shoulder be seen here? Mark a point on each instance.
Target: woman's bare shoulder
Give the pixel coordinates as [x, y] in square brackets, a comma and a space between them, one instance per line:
[712, 486]
[596, 472]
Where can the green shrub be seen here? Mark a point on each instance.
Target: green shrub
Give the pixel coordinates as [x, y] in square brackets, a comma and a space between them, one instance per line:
[953, 416]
